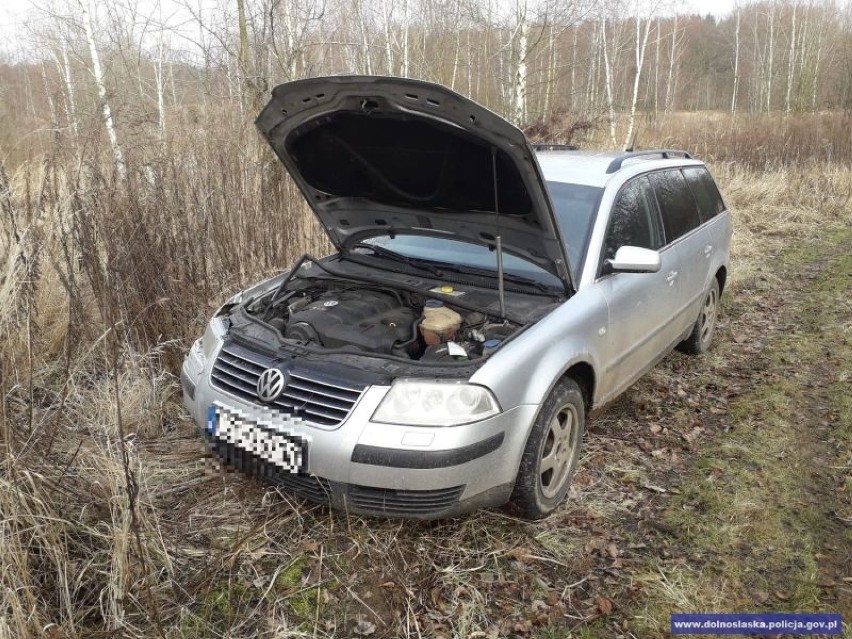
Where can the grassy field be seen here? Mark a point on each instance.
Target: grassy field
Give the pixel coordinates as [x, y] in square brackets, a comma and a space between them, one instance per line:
[722, 483]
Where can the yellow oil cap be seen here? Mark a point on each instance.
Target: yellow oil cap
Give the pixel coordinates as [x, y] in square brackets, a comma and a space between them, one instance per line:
[446, 289]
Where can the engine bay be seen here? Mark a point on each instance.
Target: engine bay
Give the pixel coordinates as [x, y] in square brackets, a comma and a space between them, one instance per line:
[355, 317]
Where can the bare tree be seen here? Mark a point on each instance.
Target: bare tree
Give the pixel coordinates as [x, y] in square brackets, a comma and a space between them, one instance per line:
[98, 75]
[736, 60]
[791, 62]
[641, 44]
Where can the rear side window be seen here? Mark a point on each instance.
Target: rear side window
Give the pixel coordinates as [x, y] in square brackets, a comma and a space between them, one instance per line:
[634, 220]
[680, 213]
[706, 193]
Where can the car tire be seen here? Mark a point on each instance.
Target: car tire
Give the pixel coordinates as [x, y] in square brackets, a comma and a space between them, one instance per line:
[700, 338]
[551, 453]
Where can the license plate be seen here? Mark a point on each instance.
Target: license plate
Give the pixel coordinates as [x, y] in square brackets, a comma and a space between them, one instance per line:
[288, 451]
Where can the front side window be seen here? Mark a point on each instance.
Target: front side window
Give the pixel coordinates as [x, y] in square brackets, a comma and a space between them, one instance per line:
[677, 206]
[634, 220]
[706, 192]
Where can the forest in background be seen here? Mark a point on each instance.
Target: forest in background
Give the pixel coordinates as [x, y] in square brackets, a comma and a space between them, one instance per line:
[89, 75]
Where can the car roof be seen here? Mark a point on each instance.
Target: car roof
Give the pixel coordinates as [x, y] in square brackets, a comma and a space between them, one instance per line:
[597, 168]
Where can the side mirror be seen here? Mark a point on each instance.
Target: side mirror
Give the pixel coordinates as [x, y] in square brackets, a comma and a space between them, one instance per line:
[633, 259]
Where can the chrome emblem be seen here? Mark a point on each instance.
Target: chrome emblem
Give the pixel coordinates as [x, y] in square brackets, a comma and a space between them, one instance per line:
[270, 385]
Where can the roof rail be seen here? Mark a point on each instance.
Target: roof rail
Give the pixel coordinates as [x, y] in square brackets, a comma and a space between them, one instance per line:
[555, 147]
[665, 154]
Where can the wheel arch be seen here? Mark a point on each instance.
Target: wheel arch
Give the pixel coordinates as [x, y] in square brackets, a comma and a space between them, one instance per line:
[722, 278]
[584, 374]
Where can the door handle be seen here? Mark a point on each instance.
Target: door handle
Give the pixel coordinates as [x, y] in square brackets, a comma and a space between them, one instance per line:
[671, 277]
[707, 250]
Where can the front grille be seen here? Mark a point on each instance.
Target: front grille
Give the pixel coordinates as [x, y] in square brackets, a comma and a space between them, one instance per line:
[320, 401]
[404, 502]
[310, 487]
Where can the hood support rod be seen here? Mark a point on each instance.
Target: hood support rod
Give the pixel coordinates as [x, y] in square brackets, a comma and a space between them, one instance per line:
[500, 286]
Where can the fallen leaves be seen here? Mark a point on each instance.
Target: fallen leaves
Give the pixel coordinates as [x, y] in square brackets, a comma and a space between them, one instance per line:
[604, 605]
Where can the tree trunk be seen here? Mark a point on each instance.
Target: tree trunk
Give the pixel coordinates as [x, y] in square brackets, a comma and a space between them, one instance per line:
[520, 93]
[770, 57]
[608, 72]
[641, 46]
[69, 86]
[791, 64]
[243, 52]
[671, 79]
[106, 111]
[406, 70]
[736, 61]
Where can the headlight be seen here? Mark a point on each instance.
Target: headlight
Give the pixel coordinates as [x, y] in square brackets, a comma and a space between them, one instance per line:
[214, 334]
[421, 402]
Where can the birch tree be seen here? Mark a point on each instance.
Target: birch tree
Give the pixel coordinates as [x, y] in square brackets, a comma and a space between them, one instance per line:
[98, 75]
[520, 51]
[672, 75]
[791, 63]
[641, 45]
[736, 88]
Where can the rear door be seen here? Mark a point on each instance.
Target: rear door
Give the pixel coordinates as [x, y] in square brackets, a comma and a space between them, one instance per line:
[714, 213]
[691, 241]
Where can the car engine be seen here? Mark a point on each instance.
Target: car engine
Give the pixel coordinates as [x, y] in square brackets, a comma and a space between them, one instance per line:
[369, 320]
[381, 321]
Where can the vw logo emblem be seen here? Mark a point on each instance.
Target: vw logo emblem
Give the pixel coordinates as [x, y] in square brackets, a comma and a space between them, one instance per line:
[270, 385]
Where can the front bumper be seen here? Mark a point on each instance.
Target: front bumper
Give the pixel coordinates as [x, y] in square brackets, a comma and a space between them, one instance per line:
[382, 469]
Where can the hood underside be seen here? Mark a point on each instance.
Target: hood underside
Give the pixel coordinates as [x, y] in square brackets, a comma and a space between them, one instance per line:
[378, 156]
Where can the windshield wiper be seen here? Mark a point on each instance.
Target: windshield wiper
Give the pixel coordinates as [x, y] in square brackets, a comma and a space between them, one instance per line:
[423, 265]
[440, 270]
[509, 277]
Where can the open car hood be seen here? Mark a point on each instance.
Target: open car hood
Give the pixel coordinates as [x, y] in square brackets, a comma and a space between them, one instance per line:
[378, 155]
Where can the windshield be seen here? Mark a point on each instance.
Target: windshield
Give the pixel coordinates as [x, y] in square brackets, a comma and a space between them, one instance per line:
[458, 253]
[575, 207]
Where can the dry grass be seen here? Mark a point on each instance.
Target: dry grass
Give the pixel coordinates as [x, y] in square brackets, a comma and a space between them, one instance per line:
[113, 519]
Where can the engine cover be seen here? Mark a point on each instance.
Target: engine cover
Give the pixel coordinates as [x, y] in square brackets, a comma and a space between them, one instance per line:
[368, 320]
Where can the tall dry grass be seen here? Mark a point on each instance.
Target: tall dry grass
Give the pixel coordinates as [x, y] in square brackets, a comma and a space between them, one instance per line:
[111, 520]
[759, 142]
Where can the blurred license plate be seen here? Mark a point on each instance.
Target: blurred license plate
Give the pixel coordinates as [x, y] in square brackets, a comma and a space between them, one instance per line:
[287, 451]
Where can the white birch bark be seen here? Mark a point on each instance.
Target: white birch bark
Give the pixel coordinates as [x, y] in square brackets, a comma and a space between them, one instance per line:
[791, 64]
[387, 17]
[817, 61]
[574, 69]
[406, 62]
[520, 93]
[608, 73]
[671, 79]
[736, 60]
[69, 86]
[97, 73]
[657, 41]
[770, 57]
[159, 79]
[641, 46]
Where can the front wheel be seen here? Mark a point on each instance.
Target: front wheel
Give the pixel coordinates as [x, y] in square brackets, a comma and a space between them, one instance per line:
[705, 326]
[551, 453]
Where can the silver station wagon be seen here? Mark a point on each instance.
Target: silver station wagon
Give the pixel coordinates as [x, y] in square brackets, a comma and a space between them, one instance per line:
[484, 295]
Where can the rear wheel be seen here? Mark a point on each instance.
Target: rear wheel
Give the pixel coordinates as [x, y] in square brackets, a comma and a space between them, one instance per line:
[551, 453]
[705, 326]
